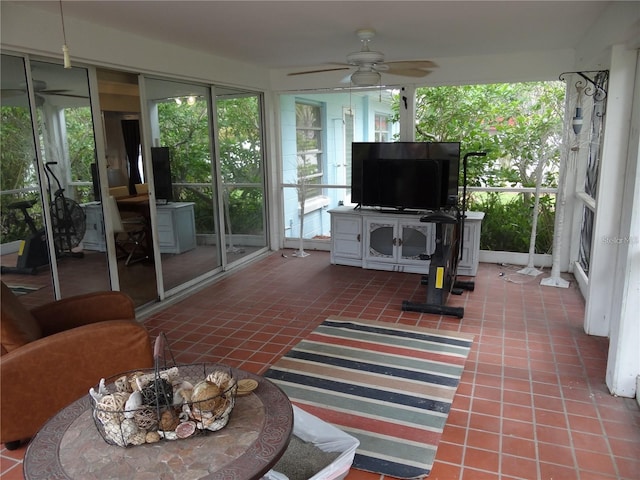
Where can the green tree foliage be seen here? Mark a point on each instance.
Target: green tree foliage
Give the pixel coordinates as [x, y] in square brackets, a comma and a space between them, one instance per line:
[18, 171]
[16, 149]
[185, 130]
[80, 142]
[240, 144]
[516, 124]
[520, 127]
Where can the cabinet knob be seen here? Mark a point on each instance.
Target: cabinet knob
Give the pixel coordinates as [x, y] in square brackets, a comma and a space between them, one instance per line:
[358, 237]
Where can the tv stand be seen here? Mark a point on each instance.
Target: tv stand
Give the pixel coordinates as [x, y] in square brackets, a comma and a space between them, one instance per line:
[372, 239]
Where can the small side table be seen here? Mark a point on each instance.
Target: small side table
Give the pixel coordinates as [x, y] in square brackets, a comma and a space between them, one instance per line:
[69, 447]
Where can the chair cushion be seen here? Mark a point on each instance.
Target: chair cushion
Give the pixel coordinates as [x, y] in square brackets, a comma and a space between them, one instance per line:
[18, 326]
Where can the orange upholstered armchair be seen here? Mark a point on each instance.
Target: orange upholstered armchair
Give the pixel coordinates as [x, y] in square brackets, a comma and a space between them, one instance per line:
[52, 354]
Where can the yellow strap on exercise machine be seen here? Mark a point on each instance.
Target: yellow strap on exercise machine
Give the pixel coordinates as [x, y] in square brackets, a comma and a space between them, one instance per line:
[439, 277]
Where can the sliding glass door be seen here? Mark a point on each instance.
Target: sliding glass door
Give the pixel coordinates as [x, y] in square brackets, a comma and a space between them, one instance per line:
[181, 172]
[54, 185]
[182, 161]
[240, 143]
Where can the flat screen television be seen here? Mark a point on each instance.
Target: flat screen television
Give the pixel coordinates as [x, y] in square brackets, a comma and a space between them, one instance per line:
[95, 182]
[162, 182]
[405, 175]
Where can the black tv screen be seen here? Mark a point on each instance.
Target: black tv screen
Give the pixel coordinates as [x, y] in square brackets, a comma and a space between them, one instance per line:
[406, 183]
[412, 175]
[162, 182]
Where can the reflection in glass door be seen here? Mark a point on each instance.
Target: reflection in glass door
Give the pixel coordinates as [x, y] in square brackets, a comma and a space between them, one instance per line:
[239, 139]
[67, 153]
[24, 249]
[126, 205]
[183, 180]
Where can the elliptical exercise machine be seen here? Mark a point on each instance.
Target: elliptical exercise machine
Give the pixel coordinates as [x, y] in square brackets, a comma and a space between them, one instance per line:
[68, 223]
[67, 218]
[32, 253]
[441, 280]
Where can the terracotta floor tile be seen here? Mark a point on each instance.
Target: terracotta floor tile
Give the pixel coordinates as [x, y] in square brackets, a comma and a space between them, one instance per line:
[532, 402]
[483, 440]
[481, 459]
[449, 453]
[548, 417]
[553, 435]
[519, 447]
[517, 428]
[585, 424]
[517, 412]
[556, 454]
[518, 467]
[595, 462]
[473, 474]
[628, 468]
[441, 471]
[552, 471]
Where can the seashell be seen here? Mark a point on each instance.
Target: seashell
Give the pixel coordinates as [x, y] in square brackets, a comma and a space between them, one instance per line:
[102, 391]
[134, 402]
[185, 429]
[137, 438]
[152, 437]
[171, 375]
[113, 434]
[168, 421]
[168, 435]
[129, 428]
[182, 395]
[218, 423]
[206, 395]
[133, 381]
[222, 379]
[184, 384]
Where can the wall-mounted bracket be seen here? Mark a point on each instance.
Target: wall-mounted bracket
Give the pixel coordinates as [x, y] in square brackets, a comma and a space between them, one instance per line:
[592, 83]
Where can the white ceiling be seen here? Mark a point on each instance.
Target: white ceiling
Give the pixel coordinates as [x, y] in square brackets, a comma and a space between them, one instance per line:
[295, 34]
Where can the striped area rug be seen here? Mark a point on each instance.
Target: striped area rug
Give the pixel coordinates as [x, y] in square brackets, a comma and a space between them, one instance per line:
[389, 385]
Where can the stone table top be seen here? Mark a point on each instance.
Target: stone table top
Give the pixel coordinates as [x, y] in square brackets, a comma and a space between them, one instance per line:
[70, 447]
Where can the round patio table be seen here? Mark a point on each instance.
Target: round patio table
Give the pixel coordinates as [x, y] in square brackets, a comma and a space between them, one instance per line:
[70, 447]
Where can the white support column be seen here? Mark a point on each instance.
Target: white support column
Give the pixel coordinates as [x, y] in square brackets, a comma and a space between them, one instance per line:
[407, 114]
[623, 364]
[609, 201]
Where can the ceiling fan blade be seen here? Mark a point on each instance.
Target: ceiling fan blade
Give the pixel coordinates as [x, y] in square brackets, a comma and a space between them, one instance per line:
[408, 72]
[12, 92]
[419, 64]
[53, 92]
[334, 69]
[58, 93]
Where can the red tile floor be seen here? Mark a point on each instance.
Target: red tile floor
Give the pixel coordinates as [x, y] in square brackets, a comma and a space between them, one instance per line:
[532, 403]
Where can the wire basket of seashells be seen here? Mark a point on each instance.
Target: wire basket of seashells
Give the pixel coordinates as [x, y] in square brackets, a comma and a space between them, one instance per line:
[163, 403]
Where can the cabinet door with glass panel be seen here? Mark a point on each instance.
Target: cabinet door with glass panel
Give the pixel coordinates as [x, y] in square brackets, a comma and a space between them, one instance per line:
[397, 244]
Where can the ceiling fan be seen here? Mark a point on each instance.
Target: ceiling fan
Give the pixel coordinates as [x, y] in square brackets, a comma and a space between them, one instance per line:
[40, 90]
[369, 63]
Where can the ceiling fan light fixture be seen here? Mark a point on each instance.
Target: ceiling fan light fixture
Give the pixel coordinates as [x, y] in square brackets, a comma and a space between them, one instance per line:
[365, 79]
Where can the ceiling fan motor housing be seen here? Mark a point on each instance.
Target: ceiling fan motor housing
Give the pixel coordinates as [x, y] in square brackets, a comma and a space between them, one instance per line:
[365, 58]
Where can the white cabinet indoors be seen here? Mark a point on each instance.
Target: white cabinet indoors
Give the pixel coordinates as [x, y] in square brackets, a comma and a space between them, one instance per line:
[370, 238]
